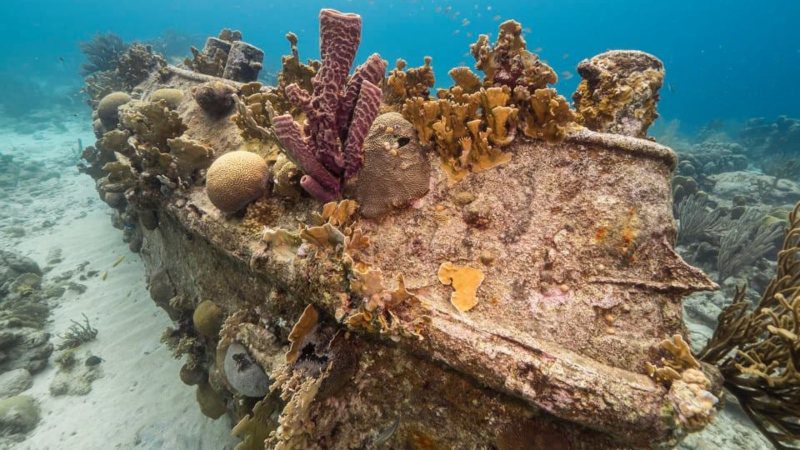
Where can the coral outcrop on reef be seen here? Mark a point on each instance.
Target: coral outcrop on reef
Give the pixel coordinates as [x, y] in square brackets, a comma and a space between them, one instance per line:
[619, 92]
[23, 312]
[479, 247]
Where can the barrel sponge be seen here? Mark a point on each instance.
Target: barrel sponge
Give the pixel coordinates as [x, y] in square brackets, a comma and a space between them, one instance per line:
[172, 96]
[236, 179]
[207, 318]
[107, 108]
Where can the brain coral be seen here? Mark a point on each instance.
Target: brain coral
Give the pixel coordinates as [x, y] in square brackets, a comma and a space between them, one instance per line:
[172, 96]
[236, 179]
[395, 171]
[107, 108]
[207, 318]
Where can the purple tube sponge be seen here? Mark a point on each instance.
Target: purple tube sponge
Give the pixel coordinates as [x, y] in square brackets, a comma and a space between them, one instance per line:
[339, 111]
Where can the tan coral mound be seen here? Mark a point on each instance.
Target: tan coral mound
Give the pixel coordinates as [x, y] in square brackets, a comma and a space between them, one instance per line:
[619, 92]
[395, 172]
[236, 179]
[107, 108]
[172, 96]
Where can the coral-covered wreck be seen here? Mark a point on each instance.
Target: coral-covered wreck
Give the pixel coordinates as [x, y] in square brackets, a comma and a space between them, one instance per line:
[383, 265]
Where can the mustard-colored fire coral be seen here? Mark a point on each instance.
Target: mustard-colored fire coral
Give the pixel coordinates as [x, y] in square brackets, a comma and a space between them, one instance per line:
[470, 122]
[465, 282]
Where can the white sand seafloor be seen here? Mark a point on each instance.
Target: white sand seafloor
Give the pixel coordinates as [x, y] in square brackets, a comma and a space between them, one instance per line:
[139, 403]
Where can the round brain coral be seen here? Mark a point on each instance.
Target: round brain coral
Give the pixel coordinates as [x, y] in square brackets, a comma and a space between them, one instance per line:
[108, 106]
[172, 96]
[236, 179]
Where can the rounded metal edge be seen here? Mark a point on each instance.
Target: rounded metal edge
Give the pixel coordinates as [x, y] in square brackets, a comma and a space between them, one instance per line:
[636, 146]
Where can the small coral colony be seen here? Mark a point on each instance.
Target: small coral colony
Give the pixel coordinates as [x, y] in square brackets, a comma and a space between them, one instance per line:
[359, 143]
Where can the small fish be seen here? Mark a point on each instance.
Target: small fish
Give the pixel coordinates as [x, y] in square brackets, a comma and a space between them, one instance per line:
[118, 261]
[456, 31]
[497, 17]
[537, 50]
[671, 88]
[104, 276]
[386, 434]
[565, 56]
[566, 75]
[527, 30]
[464, 22]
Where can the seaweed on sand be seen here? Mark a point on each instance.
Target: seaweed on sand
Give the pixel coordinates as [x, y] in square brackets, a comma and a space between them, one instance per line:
[77, 334]
[758, 351]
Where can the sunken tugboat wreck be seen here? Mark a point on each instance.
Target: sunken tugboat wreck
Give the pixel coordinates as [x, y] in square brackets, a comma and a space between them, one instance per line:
[353, 259]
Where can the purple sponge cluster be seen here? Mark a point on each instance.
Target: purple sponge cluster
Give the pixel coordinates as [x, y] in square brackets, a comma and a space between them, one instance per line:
[339, 111]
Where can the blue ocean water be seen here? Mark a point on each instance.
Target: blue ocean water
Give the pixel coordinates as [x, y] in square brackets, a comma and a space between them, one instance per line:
[725, 60]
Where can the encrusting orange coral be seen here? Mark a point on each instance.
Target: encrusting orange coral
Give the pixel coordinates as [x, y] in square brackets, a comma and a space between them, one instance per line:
[465, 282]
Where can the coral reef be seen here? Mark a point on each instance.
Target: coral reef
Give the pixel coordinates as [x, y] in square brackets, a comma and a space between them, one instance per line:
[339, 110]
[14, 382]
[756, 350]
[244, 375]
[475, 293]
[764, 138]
[236, 179]
[73, 378]
[747, 239]
[215, 97]
[127, 69]
[619, 92]
[171, 96]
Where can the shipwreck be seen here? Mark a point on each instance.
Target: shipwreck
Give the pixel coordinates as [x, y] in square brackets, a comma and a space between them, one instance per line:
[355, 259]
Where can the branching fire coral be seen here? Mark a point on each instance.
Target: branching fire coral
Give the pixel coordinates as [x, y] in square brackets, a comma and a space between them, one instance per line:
[404, 84]
[758, 351]
[470, 122]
